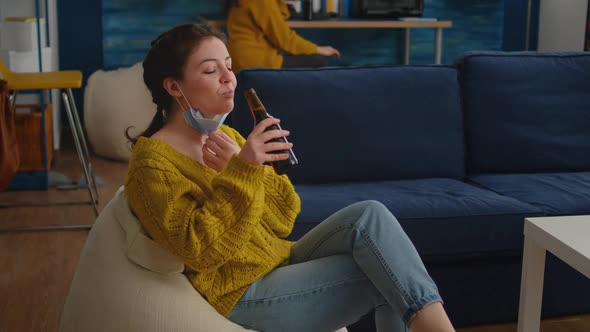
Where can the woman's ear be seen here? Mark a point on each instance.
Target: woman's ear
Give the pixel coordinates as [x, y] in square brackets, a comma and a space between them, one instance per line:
[171, 86]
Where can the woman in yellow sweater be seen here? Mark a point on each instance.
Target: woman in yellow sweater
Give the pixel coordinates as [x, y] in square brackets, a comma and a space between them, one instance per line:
[202, 192]
[258, 33]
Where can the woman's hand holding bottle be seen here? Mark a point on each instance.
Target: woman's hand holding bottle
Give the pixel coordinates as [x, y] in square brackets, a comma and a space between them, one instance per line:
[257, 151]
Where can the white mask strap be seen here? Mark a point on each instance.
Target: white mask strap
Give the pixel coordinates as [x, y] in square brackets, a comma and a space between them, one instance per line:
[178, 101]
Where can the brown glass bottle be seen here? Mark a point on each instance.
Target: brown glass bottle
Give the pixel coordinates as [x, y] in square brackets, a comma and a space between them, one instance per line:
[259, 113]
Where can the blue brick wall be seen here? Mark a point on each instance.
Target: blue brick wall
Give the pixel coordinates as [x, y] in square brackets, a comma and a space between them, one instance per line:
[128, 26]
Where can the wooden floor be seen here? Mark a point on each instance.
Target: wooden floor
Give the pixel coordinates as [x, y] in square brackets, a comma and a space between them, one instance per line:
[36, 268]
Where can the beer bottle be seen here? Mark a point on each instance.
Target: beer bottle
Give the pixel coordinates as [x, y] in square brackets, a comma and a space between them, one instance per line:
[259, 113]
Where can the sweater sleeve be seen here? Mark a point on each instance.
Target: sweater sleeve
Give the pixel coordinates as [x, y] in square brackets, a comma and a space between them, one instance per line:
[282, 201]
[203, 230]
[267, 16]
[280, 197]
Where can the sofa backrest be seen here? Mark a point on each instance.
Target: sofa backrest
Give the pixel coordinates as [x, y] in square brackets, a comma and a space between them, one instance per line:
[363, 124]
[526, 112]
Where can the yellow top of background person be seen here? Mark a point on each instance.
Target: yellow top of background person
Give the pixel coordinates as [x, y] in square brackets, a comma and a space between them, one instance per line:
[258, 32]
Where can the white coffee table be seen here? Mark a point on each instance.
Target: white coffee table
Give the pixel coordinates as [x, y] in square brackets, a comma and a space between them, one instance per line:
[567, 238]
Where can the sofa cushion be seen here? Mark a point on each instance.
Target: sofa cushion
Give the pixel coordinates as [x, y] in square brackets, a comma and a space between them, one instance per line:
[554, 194]
[526, 112]
[363, 124]
[445, 218]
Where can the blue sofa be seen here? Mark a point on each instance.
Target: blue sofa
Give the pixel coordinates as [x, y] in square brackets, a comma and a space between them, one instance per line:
[460, 154]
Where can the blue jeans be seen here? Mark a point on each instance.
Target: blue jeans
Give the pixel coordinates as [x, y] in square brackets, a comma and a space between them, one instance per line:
[357, 260]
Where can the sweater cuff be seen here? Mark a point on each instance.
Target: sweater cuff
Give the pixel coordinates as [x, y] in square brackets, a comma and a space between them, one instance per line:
[310, 48]
[244, 171]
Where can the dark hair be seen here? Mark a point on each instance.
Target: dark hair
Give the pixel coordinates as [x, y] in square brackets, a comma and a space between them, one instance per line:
[167, 57]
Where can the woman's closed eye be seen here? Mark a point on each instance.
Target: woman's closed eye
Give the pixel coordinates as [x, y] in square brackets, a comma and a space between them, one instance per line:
[212, 70]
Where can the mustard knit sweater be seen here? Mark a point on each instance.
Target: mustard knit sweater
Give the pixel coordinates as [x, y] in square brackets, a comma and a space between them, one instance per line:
[257, 31]
[227, 227]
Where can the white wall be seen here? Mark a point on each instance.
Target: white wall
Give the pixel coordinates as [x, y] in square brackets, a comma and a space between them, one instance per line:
[26, 8]
[562, 25]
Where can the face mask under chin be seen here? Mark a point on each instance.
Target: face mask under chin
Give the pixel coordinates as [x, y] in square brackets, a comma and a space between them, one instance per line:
[195, 118]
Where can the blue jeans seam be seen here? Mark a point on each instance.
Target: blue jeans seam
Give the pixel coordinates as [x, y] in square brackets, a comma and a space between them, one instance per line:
[367, 238]
[279, 298]
[387, 268]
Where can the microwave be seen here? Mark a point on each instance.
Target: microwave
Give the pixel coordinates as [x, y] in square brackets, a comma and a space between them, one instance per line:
[387, 8]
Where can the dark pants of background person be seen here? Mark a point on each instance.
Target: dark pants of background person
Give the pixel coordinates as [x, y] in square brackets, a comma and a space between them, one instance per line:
[303, 61]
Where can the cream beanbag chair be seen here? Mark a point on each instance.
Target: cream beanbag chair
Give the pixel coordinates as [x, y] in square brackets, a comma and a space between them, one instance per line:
[113, 101]
[127, 282]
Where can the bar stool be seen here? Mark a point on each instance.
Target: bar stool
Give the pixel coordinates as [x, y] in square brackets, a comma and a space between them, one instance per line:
[63, 80]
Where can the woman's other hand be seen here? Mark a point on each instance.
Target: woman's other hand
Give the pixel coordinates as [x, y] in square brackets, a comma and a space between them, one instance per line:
[257, 151]
[328, 51]
[218, 150]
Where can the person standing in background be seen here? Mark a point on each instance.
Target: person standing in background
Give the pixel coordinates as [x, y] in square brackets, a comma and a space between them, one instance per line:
[258, 32]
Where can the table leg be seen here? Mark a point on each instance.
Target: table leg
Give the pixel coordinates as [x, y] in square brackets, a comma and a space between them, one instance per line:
[407, 40]
[531, 287]
[438, 46]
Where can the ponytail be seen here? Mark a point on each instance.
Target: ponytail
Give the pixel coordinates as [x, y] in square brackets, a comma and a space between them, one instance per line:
[156, 124]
